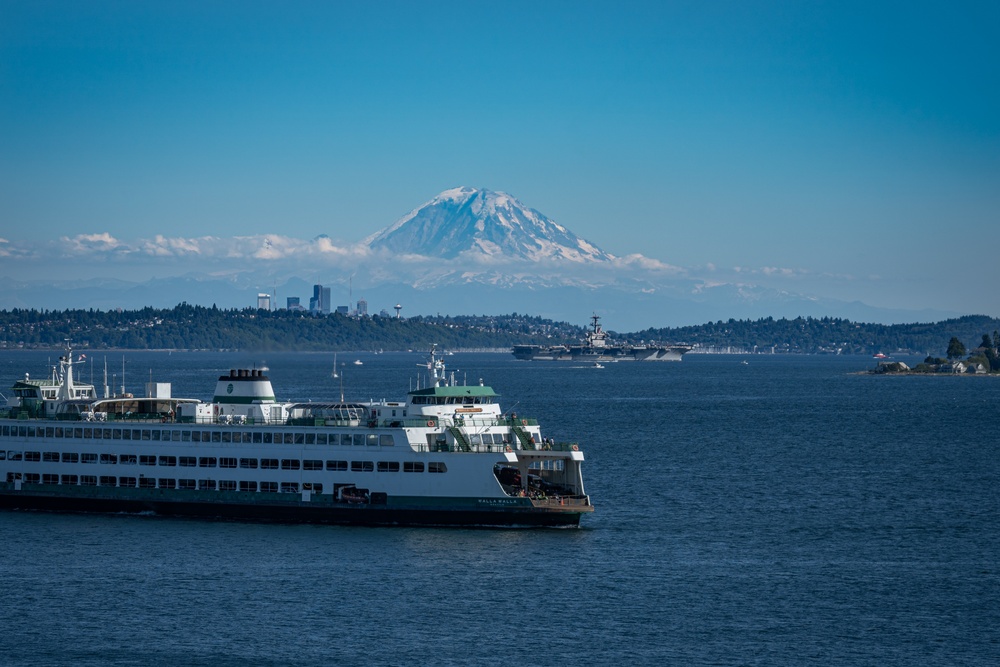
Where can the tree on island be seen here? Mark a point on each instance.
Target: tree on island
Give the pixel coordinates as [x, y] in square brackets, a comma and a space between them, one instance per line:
[955, 348]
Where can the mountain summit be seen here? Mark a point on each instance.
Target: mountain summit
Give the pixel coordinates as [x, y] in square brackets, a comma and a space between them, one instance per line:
[482, 222]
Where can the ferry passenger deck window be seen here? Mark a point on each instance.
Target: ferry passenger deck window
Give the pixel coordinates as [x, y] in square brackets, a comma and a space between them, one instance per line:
[388, 466]
[289, 464]
[362, 466]
[88, 480]
[257, 437]
[310, 438]
[312, 465]
[336, 465]
[109, 458]
[156, 435]
[357, 439]
[227, 485]
[187, 461]
[30, 477]
[372, 439]
[70, 479]
[147, 482]
[88, 457]
[128, 482]
[413, 466]
[269, 487]
[188, 484]
[248, 486]
[386, 440]
[50, 479]
[227, 462]
[206, 462]
[320, 439]
[289, 487]
[147, 460]
[248, 463]
[127, 459]
[167, 483]
[168, 460]
[436, 467]
[34, 457]
[89, 432]
[108, 480]
[269, 464]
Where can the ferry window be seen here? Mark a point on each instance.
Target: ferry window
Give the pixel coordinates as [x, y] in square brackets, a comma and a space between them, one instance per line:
[31, 477]
[187, 461]
[227, 463]
[107, 434]
[88, 457]
[388, 466]
[168, 460]
[310, 438]
[206, 485]
[50, 457]
[267, 440]
[88, 480]
[269, 487]
[362, 466]
[372, 439]
[146, 460]
[147, 482]
[127, 459]
[15, 456]
[475, 439]
[310, 486]
[207, 462]
[33, 456]
[70, 457]
[182, 436]
[300, 438]
[188, 484]
[59, 431]
[436, 467]
[288, 439]
[126, 434]
[289, 464]
[336, 465]
[320, 439]
[386, 440]
[248, 486]
[3, 454]
[413, 466]
[144, 434]
[227, 436]
[156, 435]
[248, 463]
[70, 479]
[89, 432]
[167, 483]
[269, 464]
[216, 436]
[109, 458]
[50, 479]
[358, 439]
[116, 434]
[289, 487]
[257, 437]
[312, 465]
[108, 481]
[227, 485]
[137, 434]
[127, 482]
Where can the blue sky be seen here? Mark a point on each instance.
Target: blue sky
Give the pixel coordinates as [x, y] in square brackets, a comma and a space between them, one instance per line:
[844, 149]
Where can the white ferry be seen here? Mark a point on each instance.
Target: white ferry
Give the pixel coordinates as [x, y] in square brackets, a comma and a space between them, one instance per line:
[445, 456]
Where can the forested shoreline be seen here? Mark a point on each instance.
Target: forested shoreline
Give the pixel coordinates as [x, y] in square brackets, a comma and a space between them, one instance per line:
[209, 328]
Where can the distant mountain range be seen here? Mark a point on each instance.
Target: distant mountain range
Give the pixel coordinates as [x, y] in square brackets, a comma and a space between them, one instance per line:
[466, 251]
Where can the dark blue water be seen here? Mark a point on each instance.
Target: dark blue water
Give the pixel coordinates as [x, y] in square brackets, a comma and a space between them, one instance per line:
[789, 511]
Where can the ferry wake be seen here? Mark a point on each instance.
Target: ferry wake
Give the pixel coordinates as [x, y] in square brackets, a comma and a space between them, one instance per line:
[444, 456]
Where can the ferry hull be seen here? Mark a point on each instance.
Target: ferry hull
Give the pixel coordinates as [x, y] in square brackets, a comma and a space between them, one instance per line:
[457, 513]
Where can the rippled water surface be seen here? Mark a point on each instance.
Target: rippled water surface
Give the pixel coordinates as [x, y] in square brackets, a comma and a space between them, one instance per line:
[785, 511]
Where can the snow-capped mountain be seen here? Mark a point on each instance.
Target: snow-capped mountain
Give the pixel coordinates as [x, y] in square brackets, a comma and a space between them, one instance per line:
[486, 223]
